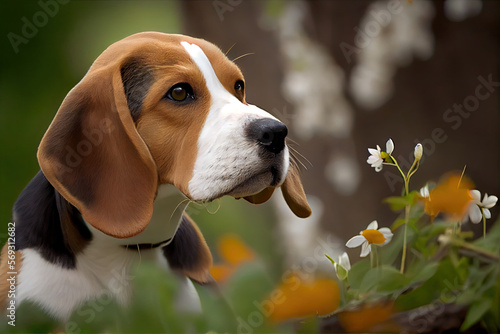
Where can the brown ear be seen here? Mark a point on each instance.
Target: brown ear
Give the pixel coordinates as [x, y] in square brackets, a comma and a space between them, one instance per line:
[188, 252]
[93, 155]
[293, 192]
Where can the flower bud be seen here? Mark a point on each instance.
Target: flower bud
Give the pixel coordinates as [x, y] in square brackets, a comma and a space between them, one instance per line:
[419, 151]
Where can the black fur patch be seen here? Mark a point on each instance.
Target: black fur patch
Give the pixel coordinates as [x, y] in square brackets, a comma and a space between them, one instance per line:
[46, 222]
[137, 79]
[183, 252]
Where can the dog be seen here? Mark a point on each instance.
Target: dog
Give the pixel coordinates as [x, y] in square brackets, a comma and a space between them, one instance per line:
[158, 121]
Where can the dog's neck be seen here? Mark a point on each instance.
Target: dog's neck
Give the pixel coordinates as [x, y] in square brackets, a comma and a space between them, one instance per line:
[168, 209]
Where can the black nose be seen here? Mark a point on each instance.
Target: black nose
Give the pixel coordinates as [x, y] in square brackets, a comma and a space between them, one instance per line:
[269, 133]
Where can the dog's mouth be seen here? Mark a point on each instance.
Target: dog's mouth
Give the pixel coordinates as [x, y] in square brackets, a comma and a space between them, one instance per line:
[256, 183]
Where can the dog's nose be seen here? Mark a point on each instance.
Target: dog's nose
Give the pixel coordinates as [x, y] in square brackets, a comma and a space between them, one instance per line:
[269, 133]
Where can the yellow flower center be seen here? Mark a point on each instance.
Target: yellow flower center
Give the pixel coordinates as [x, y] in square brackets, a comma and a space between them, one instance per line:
[373, 236]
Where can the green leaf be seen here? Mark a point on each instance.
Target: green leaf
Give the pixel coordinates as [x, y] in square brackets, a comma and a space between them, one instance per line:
[390, 280]
[357, 272]
[341, 272]
[475, 313]
[422, 274]
[397, 203]
[495, 305]
[399, 222]
[329, 258]
[441, 285]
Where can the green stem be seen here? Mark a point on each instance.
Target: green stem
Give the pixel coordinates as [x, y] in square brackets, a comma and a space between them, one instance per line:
[372, 258]
[375, 255]
[484, 224]
[463, 244]
[343, 292]
[403, 255]
[406, 178]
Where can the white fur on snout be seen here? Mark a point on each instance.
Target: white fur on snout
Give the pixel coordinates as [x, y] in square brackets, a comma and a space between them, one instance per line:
[227, 162]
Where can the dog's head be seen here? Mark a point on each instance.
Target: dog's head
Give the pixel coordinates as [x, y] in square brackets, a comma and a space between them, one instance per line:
[155, 109]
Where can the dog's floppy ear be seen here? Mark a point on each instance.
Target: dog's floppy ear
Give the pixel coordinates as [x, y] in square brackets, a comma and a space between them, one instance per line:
[293, 192]
[93, 155]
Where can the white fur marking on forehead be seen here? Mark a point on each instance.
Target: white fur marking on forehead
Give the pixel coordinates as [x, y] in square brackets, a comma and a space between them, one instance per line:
[198, 56]
[226, 158]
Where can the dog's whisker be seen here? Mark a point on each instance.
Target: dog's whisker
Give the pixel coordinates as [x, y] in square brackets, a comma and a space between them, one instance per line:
[230, 49]
[297, 155]
[178, 205]
[218, 207]
[246, 54]
[139, 252]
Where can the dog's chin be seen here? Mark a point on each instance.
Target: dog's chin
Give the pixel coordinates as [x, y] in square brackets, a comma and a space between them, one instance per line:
[256, 183]
[252, 185]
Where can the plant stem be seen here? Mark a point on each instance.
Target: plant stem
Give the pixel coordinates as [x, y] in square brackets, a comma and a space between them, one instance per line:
[343, 292]
[406, 178]
[372, 257]
[484, 223]
[403, 255]
[375, 255]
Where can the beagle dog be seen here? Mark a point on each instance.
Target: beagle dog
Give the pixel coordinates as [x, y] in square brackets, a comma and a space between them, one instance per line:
[158, 121]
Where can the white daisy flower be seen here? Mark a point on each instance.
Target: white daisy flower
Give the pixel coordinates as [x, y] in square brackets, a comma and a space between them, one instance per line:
[478, 207]
[378, 157]
[371, 236]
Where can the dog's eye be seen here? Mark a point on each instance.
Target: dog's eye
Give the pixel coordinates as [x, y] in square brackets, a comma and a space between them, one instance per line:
[180, 92]
[239, 86]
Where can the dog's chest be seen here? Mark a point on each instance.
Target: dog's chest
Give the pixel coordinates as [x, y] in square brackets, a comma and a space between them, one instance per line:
[102, 268]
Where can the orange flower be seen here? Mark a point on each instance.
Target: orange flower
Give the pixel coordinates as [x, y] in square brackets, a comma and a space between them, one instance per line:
[234, 252]
[304, 298]
[365, 319]
[451, 197]
[221, 272]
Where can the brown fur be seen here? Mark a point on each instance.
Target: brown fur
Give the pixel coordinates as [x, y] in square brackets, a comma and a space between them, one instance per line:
[116, 197]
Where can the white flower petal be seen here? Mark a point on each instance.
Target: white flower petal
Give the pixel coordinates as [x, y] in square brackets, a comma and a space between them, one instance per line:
[418, 152]
[475, 214]
[355, 241]
[487, 213]
[489, 201]
[378, 168]
[373, 160]
[372, 226]
[373, 151]
[365, 249]
[387, 233]
[389, 146]
[476, 196]
[424, 191]
[344, 261]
